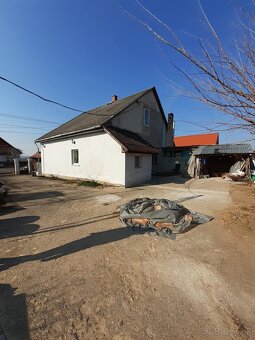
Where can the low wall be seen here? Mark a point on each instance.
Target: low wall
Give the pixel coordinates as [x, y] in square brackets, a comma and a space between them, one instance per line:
[6, 170]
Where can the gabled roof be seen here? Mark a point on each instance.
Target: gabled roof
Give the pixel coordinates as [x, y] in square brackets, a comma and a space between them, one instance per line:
[196, 140]
[223, 149]
[97, 117]
[130, 141]
[5, 147]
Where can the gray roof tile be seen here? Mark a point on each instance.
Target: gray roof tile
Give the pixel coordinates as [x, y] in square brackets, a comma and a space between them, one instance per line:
[130, 141]
[223, 149]
[93, 118]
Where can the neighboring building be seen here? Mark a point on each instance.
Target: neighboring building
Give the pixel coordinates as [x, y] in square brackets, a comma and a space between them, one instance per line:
[35, 161]
[179, 155]
[7, 155]
[216, 160]
[119, 143]
[36, 156]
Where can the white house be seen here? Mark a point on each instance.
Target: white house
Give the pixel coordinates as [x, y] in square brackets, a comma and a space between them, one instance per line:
[119, 143]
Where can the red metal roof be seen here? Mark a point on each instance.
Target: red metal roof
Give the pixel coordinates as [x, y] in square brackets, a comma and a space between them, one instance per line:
[196, 140]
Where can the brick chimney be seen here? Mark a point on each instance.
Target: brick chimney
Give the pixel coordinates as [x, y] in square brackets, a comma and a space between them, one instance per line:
[170, 128]
[170, 121]
[114, 98]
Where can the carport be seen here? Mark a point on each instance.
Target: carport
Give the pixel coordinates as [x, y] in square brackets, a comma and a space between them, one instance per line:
[216, 160]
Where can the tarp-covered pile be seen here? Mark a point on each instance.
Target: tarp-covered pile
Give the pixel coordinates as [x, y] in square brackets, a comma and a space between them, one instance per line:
[238, 171]
[166, 217]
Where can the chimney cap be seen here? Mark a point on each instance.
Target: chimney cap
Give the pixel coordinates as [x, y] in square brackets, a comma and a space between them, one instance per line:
[114, 98]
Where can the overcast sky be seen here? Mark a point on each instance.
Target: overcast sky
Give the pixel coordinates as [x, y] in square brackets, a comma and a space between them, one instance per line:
[80, 53]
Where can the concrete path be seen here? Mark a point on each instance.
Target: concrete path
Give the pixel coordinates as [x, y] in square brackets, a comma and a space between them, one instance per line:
[204, 195]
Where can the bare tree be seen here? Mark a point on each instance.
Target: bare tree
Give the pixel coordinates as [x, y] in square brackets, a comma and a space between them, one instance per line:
[224, 78]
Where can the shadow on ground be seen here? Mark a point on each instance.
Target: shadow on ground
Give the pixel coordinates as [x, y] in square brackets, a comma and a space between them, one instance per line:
[188, 198]
[9, 208]
[28, 231]
[18, 226]
[177, 179]
[13, 314]
[93, 240]
[34, 196]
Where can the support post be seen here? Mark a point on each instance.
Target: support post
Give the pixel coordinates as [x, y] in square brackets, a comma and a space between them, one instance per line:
[16, 166]
[29, 165]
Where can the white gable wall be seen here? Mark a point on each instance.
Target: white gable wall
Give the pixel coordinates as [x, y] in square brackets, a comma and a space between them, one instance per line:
[132, 119]
[100, 159]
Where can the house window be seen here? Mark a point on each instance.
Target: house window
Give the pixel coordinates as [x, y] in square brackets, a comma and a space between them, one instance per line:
[75, 156]
[146, 117]
[137, 162]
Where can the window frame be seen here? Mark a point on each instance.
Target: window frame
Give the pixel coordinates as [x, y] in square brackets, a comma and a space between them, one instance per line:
[139, 165]
[149, 116]
[73, 156]
[155, 159]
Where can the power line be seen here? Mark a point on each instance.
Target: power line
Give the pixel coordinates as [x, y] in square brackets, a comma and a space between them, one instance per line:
[56, 103]
[30, 133]
[39, 96]
[28, 118]
[24, 127]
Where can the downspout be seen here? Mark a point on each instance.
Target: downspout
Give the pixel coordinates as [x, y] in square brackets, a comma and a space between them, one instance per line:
[38, 158]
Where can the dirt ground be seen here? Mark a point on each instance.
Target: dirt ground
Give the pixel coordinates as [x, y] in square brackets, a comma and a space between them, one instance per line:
[70, 270]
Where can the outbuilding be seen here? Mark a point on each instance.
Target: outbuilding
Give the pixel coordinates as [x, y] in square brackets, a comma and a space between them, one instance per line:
[216, 160]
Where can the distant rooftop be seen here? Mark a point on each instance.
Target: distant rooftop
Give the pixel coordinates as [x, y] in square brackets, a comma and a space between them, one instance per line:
[6, 147]
[36, 155]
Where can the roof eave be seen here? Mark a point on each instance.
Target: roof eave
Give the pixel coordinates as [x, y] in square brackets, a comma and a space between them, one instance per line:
[159, 104]
[69, 134]
[223, 154]
[143, 152]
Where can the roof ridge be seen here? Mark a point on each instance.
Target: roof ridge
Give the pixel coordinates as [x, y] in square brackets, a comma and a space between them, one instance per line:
[9, 144]
[122, 99]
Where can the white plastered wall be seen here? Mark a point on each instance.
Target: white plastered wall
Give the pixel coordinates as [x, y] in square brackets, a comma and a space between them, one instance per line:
[100, 159]
[140, 175]
[131, 119]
